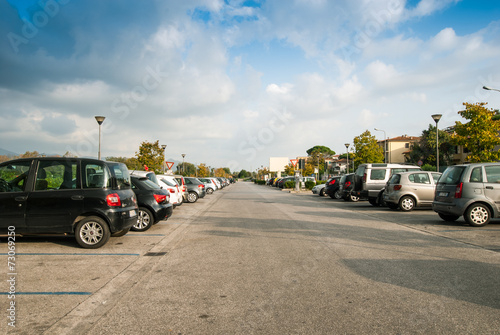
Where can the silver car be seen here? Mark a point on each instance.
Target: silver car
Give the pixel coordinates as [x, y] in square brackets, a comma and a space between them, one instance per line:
[471, 190]
[407, 190]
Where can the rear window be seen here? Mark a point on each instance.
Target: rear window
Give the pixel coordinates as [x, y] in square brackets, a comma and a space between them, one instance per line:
[395, 179]
[452, 175]
[492, 173]
[168, 182]
[95, 175]
[377, 174]
[419, 178]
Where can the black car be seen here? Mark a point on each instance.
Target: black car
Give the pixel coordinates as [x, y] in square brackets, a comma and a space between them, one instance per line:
[153, 202]
[89, 198]
[347, 187]
[332, 188]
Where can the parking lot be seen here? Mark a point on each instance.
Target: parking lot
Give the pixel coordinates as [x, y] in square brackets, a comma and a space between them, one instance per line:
[61, 288]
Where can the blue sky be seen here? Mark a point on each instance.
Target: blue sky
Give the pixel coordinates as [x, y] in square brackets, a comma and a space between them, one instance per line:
[232, 83]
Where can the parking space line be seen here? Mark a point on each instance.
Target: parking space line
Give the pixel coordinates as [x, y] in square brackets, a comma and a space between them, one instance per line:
[48, 293]
[140, 235]
[68, 254]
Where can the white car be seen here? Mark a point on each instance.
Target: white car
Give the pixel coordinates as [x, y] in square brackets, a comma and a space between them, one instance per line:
[319, 189]
[210, 187]
[169, 183]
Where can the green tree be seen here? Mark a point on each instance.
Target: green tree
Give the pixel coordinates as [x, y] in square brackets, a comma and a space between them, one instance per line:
[244, 174]
[151, 155]
[320, 149]
[366, 150]
[203, 170]
[480, 134]
[317, 155]
[425, 149]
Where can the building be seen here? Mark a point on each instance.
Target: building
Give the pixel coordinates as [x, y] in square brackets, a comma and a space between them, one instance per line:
[397, 148]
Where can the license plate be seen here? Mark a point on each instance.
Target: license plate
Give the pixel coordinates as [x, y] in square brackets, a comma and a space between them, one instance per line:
[132, 213]
[442, 194]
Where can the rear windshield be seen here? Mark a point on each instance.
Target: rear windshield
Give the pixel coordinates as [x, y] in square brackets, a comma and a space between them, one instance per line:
[452, 175]
[395, 179]
[168, 182]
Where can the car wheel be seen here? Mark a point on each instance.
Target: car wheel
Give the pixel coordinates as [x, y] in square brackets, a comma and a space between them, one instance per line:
[144, 220]
[337, 195]
[120, 233]
[210, 191]
[322, 192]
[448, 217]
[92, 232]
[192, 197]
[353, 198]
[477, 215]
[407, 203]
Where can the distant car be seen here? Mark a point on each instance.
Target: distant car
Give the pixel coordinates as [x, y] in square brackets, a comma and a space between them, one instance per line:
[88, 198]
[407, 190]
[332, 188]
[471, 190]
[195, 189]
[319, 190]
[153, 203]
[346, 188]
[210, 187]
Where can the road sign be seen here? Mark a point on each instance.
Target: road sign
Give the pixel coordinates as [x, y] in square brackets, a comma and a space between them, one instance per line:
[169, 165]
[294, 162]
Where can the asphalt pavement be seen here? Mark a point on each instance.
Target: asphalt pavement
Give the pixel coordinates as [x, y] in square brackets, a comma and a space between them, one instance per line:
[251, 259]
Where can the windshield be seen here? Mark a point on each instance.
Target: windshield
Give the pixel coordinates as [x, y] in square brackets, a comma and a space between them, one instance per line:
[452, 175]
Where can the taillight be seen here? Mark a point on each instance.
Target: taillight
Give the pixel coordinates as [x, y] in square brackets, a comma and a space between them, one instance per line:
[333, 182]
[364, 177]
[183, 188]
[347, 184]
[397, 187]
[458, 191]
[201, 186]
[171, 190]
[113, 200]
[160, 198]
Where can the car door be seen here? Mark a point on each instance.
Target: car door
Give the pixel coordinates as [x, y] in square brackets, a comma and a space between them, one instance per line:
[14, 191]
[57, 197]
[424, 188]
[492, 184]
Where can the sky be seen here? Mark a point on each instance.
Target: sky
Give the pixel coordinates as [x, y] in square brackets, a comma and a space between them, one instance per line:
[231, 83]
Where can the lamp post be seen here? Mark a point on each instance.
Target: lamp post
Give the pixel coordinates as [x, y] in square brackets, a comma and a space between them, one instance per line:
[490, 89]
[385, 144]
[183, 155]
[436, 118]
[347, 149]
[164, 146]
[100, 120]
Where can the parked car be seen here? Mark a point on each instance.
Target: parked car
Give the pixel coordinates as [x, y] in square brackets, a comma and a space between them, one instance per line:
[319, 190]
[170, 184]
[332, 188]
[210, 187]
[153, 203]
[471, 190]
[90, 199]
[407, 190]
[371, 178]
[148, 174]
[346, 188]
[195, 189]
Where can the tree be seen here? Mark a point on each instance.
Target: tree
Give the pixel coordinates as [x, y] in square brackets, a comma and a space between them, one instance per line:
[289, 169]
[425, 149]
[151, 155]
[320, 149]
[317, 155]
[480, 135]
[244, 174]
[203, 170]
[367, 150]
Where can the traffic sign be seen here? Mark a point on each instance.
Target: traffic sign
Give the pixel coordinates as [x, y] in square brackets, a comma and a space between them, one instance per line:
[169, 165]
[294, 162]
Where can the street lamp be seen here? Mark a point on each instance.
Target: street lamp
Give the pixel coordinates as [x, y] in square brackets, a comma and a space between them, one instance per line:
[490, 89]
[347, 149]
[183, 155]
[100, 120]
[436, 118]
[164, 146]
[385, 144]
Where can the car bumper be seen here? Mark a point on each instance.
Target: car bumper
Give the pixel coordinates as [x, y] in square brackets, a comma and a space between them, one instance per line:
[122, 219]
[447, 208]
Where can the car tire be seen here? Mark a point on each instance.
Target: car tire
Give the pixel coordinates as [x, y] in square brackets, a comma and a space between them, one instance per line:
[448, 217]
[145, 220]
[322, 192]
[210, 190]
[192, 197]
[407, 203]
[337, 195]
[92, 232]
[477, 215]
[353, 198]
[120, 233]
